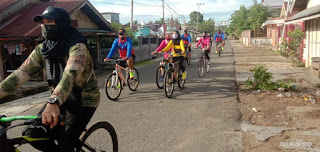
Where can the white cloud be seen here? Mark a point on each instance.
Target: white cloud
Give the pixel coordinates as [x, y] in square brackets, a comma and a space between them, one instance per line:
[184, 7]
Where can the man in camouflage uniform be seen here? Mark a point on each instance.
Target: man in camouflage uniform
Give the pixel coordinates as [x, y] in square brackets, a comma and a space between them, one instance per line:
[65, 57]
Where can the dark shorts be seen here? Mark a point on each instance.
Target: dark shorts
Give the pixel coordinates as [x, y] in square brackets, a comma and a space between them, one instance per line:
[124, 63]
[217, 43]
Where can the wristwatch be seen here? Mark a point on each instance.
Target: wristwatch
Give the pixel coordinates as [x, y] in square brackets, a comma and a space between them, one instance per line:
[54, 101]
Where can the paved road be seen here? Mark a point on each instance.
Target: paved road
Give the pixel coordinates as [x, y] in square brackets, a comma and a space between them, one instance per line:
[202, 117]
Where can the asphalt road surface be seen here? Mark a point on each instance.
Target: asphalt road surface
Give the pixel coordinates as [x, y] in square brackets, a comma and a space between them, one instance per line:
[202, 117]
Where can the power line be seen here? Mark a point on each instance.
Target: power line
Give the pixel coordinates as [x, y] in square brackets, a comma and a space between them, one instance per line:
[128, 5]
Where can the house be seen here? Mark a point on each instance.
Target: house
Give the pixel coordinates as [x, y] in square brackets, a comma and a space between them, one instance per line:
[19, 34]
[306, 17]
[275, 6]
[111, 17]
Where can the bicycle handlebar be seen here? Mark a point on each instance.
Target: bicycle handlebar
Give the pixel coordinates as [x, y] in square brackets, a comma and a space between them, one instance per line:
[31, 119]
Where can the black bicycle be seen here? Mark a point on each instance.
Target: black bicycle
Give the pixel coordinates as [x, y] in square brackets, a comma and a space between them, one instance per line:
[99, 137]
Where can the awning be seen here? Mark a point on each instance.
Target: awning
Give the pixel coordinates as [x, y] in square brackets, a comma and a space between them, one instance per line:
[307, 14]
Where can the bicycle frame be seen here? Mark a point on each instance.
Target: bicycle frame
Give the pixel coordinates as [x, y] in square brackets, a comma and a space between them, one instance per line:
[8, 144]
[118, 73]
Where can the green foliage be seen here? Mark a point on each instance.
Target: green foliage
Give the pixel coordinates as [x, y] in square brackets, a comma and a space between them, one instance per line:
[291, 49]
[282, 84]
[208, 26]
[193, 18]
[262, 79]
[257, 15]
[251, 18]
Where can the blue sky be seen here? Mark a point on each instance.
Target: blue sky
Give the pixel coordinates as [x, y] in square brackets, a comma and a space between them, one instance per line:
[220, 10]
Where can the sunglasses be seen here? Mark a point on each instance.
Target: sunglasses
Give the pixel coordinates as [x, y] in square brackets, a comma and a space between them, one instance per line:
[121, 33]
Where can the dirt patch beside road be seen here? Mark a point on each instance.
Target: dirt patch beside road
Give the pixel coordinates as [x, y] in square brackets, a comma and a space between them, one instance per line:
[294, 111]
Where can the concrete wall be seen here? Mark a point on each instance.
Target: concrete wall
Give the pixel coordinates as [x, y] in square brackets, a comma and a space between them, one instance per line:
[261, 41]
[312, 40]
[246, 37]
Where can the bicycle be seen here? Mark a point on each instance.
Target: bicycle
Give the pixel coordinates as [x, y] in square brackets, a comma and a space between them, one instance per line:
[161, 71]
[203, 62]
[87, 141]
[115, 82]
[219, 48]
[188, 57]
[173, 74]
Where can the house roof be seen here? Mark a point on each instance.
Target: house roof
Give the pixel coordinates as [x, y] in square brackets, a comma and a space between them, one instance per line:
[6, 3]
[23, 25]
[110, 13]
[306, 13]
[273, 4]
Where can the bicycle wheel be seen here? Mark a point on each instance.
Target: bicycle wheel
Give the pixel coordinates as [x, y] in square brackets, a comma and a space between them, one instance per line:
[168, 83]
[112, 88]
[200, 67]
[101, 136]
[160, 76]
[134, 83]
[188, 58]
[207, 65]
[180, 80]
[219, 51]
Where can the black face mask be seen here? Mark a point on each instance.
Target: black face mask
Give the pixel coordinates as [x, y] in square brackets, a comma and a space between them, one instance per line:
[50, 32]
[123, 38]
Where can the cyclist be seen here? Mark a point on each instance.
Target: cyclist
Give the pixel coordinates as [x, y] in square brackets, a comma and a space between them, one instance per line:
[167, 56]
[178, 51]
[219, 38]
[186, 40]
[205, 45]
[65, 56]
[126, 51]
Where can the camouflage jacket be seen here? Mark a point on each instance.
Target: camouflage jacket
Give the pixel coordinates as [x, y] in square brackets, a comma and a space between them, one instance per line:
[77, 73]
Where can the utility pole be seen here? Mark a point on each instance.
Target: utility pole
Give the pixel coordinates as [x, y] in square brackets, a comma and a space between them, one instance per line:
[198, 15]
[131, 20]
[164, 29]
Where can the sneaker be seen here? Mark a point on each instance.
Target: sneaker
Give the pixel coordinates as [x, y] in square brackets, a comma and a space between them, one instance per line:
[184, 75]
[119, 86]
[222, 48]
[131, 74]
[216, 52]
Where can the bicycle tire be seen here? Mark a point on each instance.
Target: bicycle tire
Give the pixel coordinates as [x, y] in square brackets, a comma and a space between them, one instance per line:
[168, 84]
[106, 86]
[188, 58]
[136, 81]
[207, 65]
[219, 52]
[200, 67]
[181, 81]
[99, 125]
[159, 73]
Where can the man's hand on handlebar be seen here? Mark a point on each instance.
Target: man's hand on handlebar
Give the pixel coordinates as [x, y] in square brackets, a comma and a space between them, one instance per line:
[125, 59]
[106, 59]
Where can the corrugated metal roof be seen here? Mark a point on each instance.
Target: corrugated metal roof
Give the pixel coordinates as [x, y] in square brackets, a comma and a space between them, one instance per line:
[306, 13]
[6, 3]
[24, 26]
[276, 4]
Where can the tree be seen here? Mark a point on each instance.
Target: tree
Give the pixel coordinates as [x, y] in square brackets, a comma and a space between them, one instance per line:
[193, 18]
[150, 22]
[127, 23]
[208, 26]
[176, 22]
[258, 14]
[239, 21]
[135, 22]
